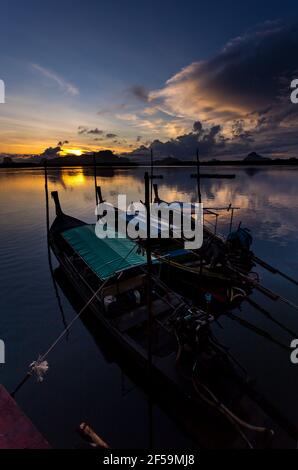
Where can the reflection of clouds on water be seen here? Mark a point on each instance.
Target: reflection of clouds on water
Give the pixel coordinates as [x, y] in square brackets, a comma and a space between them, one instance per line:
[268, 198]
[268, 203]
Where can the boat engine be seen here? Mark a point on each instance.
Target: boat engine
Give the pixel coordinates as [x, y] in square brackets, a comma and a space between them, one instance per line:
[192, 329]
[240, 239]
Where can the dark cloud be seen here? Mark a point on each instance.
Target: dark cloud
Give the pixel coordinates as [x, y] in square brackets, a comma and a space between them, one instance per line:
[249, 73]
[95, 131]
[86, 130]
[245, 88]
[206, 140]
[140, 93]
[51, 152]
[111, 136]
[82, 130]
[239, 132]
[62, 142]
[197, 127]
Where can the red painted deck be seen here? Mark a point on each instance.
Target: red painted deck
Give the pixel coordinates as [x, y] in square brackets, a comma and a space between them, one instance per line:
[16, 430]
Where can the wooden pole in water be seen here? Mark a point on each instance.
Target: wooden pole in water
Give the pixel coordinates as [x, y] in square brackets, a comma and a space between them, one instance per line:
[199, 177]
[95, 179]
[150, 311]
[149, 268]
[47, 199]
[152, 175]
[59, 211]
[200, 198]
[232, 220]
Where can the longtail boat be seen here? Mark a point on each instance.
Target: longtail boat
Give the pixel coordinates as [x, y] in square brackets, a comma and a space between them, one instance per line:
[165, 336]
[221, 268]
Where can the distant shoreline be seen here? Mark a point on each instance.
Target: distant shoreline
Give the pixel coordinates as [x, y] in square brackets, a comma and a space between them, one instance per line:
[159, 164]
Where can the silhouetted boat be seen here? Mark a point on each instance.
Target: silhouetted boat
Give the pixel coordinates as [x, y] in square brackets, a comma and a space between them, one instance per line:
[219, 268]
[161, 333]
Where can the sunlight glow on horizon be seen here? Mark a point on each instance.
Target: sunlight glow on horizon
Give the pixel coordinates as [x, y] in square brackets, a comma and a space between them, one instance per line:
[71, 151]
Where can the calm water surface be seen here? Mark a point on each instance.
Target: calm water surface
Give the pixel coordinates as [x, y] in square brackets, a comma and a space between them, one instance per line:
[86, 384]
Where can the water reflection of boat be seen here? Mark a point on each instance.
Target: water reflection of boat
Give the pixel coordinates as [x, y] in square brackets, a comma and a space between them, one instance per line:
[175, 348]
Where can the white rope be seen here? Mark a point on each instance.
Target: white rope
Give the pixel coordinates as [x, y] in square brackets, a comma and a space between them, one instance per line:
[43, 357]
[41, 366]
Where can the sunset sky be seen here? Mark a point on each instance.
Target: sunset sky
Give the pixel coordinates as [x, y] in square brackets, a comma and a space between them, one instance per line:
[171, 74]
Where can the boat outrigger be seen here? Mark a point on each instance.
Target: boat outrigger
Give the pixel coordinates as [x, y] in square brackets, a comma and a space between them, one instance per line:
[164, 336]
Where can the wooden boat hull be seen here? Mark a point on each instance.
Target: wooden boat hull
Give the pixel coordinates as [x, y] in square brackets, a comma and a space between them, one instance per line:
[161, 372]
[205, 425]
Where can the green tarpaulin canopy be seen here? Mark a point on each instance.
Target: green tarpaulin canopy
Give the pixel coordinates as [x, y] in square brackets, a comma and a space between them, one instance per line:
[105, 257]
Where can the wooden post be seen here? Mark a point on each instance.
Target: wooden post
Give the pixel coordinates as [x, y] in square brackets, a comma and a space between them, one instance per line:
[152, 176]
[149, 268]
[232, 220]
[149, 294]
[47, 198]
[199, 177]
[156, 195]
[95, 179]
[216, 224]
[200, 199]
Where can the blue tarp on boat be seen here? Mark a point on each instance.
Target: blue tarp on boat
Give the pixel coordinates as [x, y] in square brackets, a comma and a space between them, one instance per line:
[105, 257]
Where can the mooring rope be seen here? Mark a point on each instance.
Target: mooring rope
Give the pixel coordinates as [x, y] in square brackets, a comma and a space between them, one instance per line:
[41, 366]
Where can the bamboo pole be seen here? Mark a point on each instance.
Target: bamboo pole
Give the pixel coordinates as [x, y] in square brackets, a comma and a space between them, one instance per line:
[199, 177]
[148, 196]
[149, 268]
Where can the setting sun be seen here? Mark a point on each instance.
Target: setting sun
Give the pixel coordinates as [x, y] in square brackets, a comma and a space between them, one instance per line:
[71, 151]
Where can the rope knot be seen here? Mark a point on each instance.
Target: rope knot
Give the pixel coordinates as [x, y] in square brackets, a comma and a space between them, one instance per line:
[39, 368]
